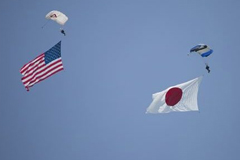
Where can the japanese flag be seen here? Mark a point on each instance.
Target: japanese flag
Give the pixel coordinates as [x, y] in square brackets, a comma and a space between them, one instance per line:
[179, 98]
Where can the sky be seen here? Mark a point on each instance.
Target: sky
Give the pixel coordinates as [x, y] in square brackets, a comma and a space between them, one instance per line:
[116, 54]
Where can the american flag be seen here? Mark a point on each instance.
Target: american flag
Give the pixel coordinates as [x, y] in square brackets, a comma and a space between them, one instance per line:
[42, 67]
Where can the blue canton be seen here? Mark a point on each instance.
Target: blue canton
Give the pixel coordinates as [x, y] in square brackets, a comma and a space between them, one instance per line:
[53, 53]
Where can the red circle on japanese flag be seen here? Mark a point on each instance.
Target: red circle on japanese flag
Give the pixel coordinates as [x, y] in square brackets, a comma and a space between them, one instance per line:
[173, 96]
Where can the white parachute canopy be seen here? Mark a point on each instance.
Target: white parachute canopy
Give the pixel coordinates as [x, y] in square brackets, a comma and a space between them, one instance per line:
[57, 16]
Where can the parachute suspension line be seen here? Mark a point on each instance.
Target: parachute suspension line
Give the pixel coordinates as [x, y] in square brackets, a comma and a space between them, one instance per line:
[45, 24]
[204, 60]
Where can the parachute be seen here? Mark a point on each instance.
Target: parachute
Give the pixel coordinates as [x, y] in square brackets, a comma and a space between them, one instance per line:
[204, 51]
[58, 17]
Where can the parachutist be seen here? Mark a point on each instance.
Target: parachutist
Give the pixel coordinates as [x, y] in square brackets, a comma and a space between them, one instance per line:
[208, 68]
[63, 32]
[204, 51]
[58, 17]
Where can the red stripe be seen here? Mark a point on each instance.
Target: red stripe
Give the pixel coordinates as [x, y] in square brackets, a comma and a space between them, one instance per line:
[36, 77]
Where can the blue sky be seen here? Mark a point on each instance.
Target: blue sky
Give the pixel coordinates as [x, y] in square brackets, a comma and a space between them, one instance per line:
[116, 54]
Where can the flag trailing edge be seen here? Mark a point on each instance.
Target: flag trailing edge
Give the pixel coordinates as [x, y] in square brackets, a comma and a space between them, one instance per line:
[178, 98]
[42, 67]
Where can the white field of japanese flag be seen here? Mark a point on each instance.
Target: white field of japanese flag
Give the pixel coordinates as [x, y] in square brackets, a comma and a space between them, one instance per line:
[178, 98]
